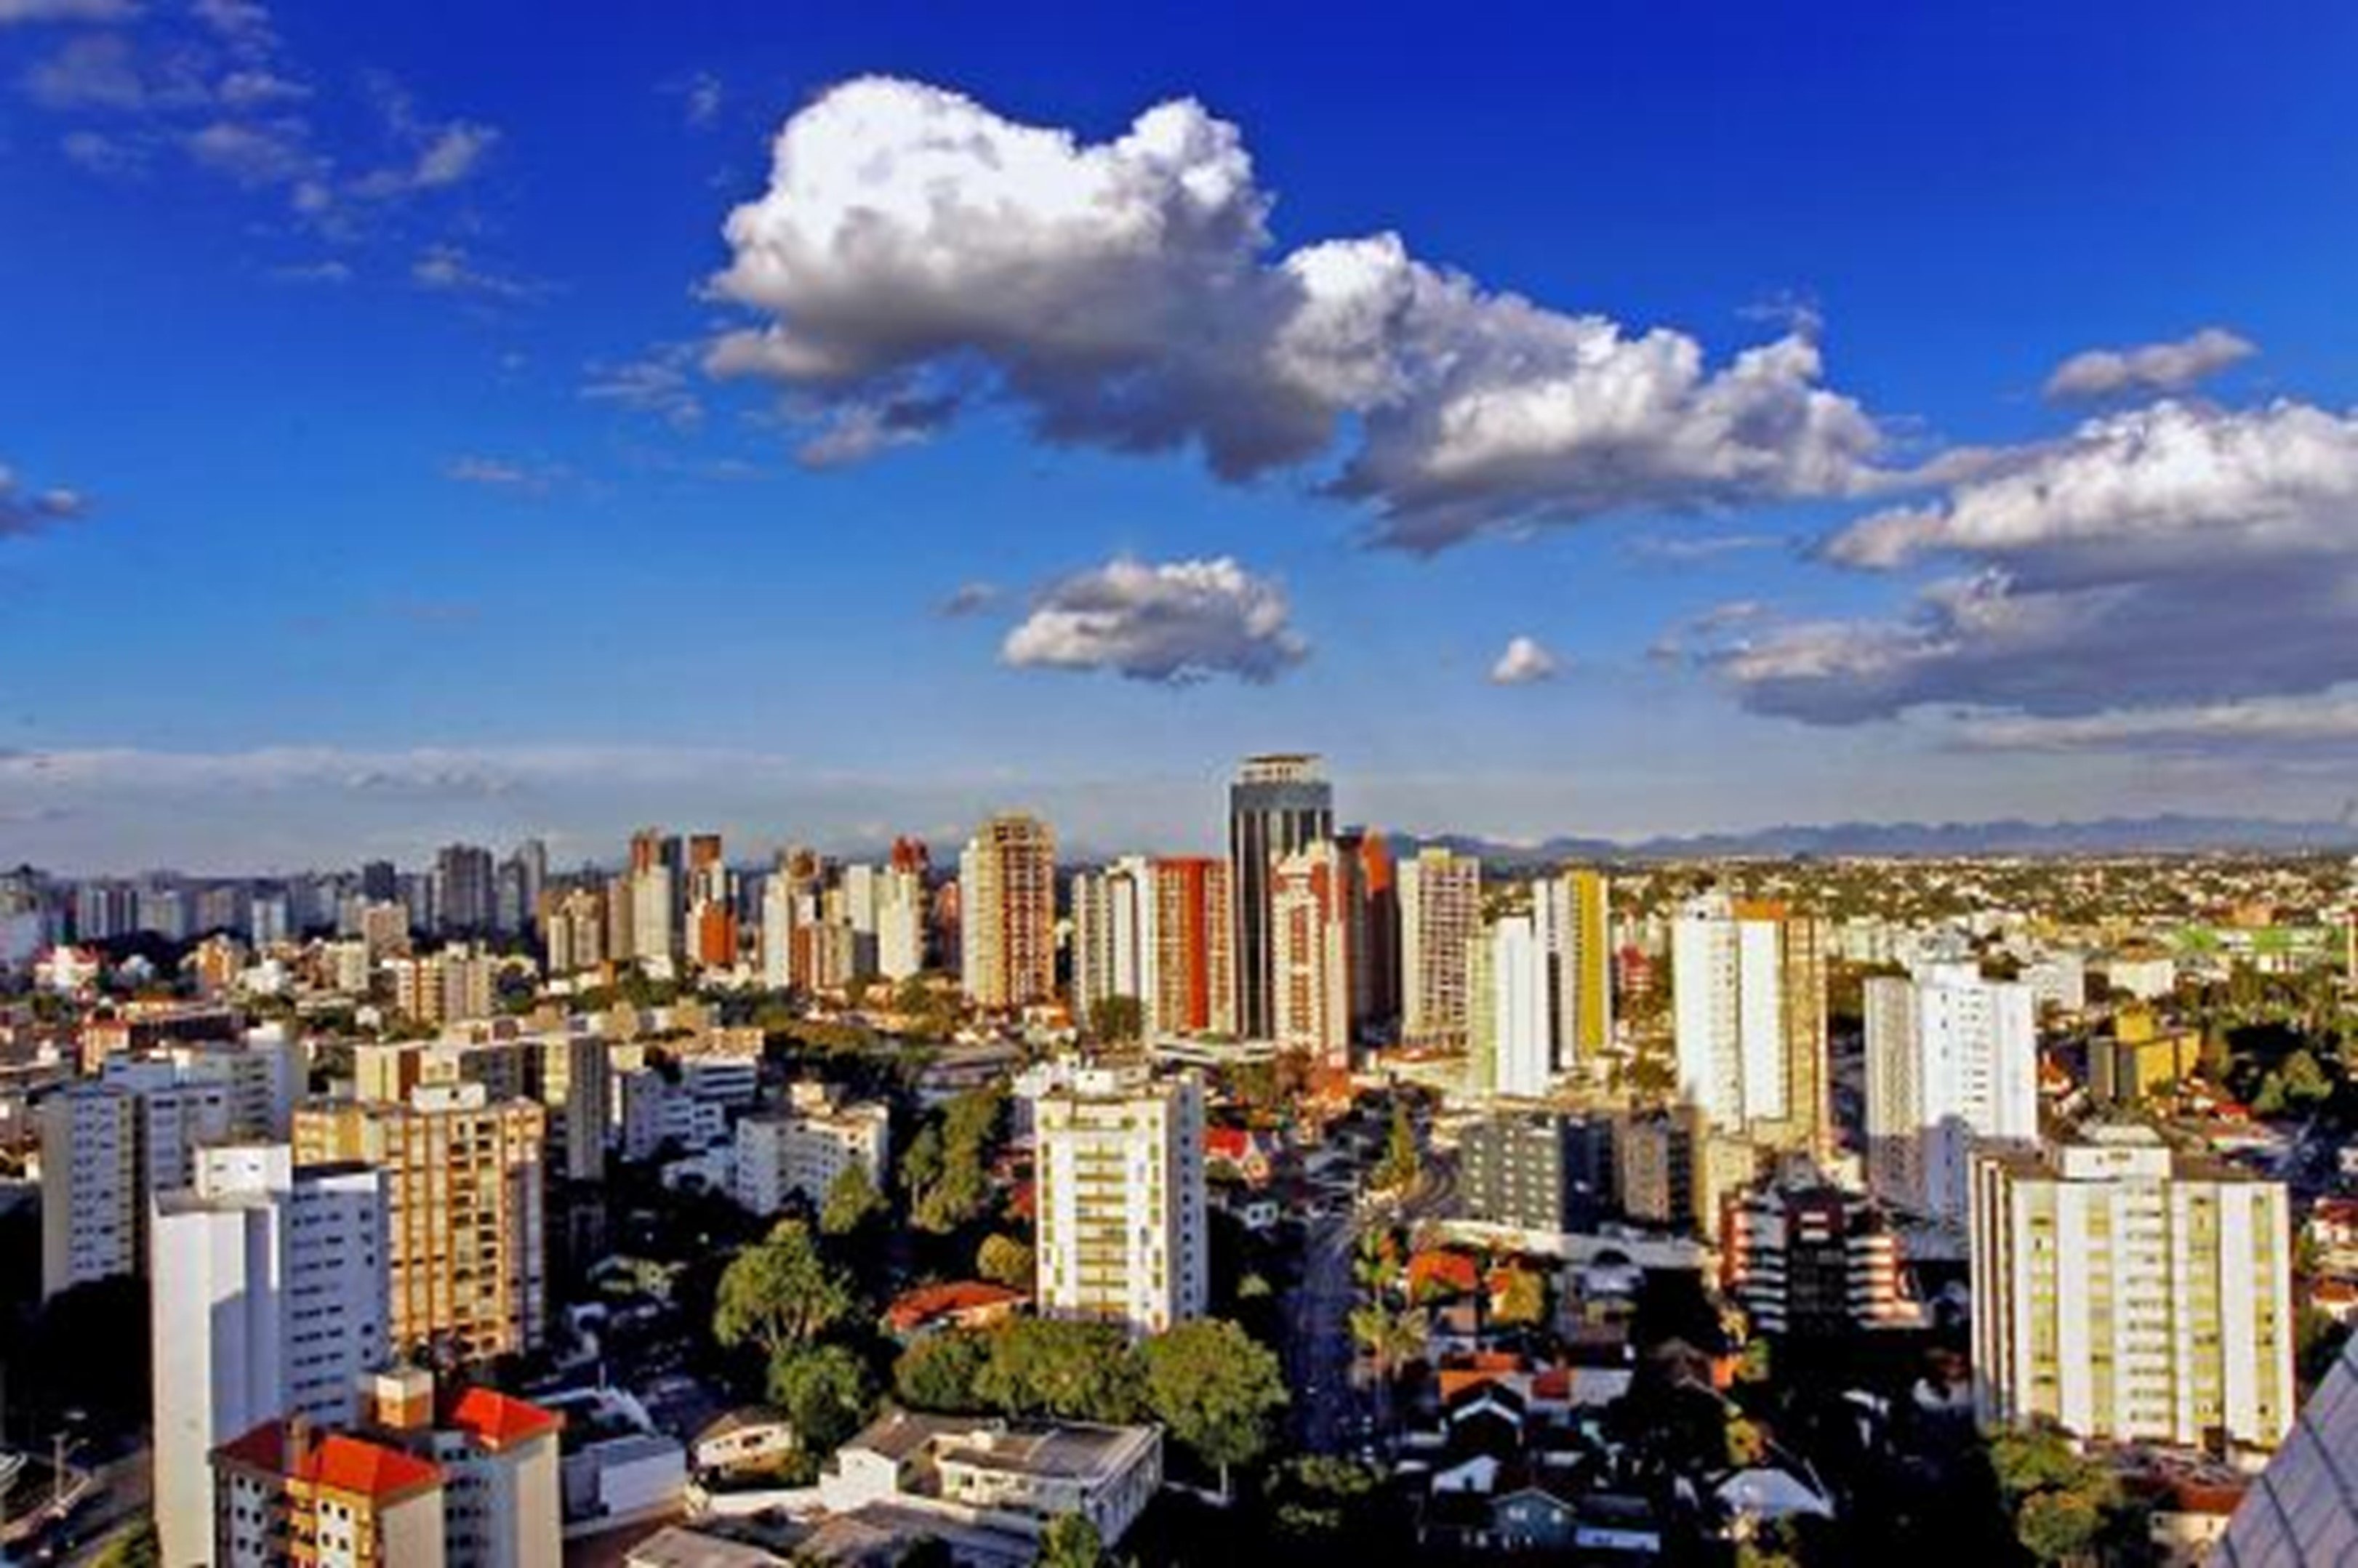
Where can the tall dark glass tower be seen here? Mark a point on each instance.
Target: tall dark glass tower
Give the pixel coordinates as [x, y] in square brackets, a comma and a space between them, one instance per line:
[1277, 805]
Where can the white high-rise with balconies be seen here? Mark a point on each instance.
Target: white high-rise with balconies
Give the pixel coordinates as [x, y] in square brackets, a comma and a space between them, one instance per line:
[1119, 1189]
[269, 1301]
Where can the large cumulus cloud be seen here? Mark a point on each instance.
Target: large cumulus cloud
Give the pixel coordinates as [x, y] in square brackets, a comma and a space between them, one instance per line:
[916, 250]
[2174, 554]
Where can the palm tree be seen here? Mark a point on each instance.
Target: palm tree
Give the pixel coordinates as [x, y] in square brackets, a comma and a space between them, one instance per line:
[1391, 1339]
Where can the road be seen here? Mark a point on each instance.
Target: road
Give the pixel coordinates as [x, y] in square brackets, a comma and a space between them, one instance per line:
[1328, 1408]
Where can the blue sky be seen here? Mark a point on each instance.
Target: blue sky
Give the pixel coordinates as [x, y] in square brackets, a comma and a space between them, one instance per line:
[370, 481]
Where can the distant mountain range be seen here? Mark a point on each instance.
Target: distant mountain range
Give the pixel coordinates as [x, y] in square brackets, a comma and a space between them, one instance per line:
[2105, 835]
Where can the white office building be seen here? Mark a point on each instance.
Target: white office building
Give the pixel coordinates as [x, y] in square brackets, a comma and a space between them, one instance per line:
[1951, 1062]
[269, 1301]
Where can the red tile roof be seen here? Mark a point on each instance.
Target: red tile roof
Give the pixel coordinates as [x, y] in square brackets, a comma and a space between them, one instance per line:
[498, 1421]
[927, 1303]
[336, 1463]
[1442, 1270]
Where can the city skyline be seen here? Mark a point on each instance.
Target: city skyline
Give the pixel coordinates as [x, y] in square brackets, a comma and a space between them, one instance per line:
[1601, 437]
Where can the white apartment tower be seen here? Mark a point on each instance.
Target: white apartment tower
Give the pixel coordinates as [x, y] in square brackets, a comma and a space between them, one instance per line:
[1749, 1008]
[2130, 1294]
[1951, 1062]
[1511, 1021]
[1120, 1162]
[1114, 947]
[269, 1301]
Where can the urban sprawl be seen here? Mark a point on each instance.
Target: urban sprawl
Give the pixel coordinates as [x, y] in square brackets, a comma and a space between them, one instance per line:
[1329, 1197]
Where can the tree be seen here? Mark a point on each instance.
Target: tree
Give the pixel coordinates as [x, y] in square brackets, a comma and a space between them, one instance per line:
[1523, 1301]
[1218, 1389]
[1076, 1372]
[780, 1294]
[1397, 1169]
[826, 1393]
[1070, 1541]
[135, 1549]
[2058, 1526]
[1118, 1020]
[939, 1372]
[1004, 1261]
[852, 1201]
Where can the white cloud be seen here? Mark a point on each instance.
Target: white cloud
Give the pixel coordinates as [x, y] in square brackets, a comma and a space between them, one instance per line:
[2149, 367]
[1127, 295]
[516, 476]
[258, 153]
[1175, 623]
[2166, 555]
[701, 95]
[658, 381]
[449, 270]
[2328, 723]
[15, 11]
[24, 510]
[1524, 663]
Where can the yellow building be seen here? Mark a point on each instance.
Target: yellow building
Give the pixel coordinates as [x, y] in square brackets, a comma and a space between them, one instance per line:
[466, 1250]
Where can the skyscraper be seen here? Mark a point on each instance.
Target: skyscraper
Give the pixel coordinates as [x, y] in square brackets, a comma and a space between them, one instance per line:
[1952, 1061]
[466, 887]
[1441, 918]
[1277, 805]
[1007, 913]
[2129, 1293]
[1120, 1196]
[1748, 995]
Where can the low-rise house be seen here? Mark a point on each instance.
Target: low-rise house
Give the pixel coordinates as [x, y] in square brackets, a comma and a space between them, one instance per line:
[961, 1304]
[1010, 1478]
[747, 1440]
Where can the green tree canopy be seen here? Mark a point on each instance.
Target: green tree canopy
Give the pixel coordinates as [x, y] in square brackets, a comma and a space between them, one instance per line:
[1070, 1541]
[826, 1393]
[852, 1201]
[780, 1294]
[1217, 1388]
[939, 1372]
[1004, 1261]
[1077, 1371]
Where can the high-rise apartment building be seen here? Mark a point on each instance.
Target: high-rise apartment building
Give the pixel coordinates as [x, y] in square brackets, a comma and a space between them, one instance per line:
[1512, 1054]
[466, 889]
[464, 1203]
[901, 905]
[1748, 997]
[1195, 948]
[1119, 1157]
[110, 1147]
[269, 1292]
[573, 931]
[2129, 1293]
[1576, 928]
[1114, 946]
[1007, 913]
[568, 1074]
[1951, 1062]
[1309, 954]
[1279, 805]
[1441, 918]
[1537, 1169]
